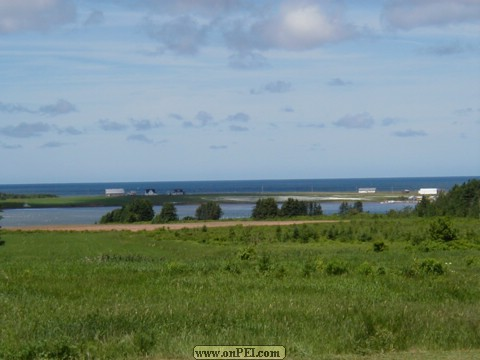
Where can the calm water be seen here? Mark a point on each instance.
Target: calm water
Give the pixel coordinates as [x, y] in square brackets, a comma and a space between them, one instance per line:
[25, 217]
[241, 186]
[57, 216]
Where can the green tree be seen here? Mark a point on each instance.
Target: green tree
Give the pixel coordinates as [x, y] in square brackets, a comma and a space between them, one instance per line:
[209, 211]
[357, 207]
[424, 207]
[442, 230]
[314, 208]
[344, 208]
[293, 207]
[265, 208]
[167, 214]
[137, 210]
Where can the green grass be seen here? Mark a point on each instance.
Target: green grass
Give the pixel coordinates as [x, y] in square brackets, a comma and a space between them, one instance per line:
[122, 295]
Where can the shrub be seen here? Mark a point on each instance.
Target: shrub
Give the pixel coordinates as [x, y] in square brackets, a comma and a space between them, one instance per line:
[431, 266]
[264, 263]
[379, 246]
[309, 268]
[336, 267]
[441, 230]
[365, 268]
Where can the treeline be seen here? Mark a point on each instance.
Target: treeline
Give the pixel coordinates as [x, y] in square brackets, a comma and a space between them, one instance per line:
[141, 210]
[268, 208]
[461, 201]
[6, 196]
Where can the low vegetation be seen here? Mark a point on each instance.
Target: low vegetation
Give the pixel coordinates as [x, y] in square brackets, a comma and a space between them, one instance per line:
[375, 284]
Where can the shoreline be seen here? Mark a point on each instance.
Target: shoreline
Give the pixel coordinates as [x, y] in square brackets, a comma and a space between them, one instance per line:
[194, 199]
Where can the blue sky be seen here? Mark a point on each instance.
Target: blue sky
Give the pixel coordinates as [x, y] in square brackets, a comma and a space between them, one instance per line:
[152, 90]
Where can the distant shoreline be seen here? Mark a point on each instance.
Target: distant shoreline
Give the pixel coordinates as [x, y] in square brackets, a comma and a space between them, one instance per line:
[247, 198]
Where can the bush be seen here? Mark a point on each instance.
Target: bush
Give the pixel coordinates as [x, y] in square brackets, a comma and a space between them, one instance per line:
[209, 211]
[167, 214]
[431, 266]
[336, 267]
[379, 246]
[442, 230]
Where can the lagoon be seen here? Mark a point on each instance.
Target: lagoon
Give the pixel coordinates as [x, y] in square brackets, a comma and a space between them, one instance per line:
[91, 215]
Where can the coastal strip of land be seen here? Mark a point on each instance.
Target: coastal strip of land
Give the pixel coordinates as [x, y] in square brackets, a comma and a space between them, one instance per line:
[174, 226]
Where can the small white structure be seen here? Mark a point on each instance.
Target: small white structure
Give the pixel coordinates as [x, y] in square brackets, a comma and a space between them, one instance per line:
[114, 192]
[367, 190]
[428, 191]
[150, 192]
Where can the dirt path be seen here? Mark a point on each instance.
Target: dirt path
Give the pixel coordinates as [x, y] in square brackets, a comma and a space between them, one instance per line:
[150, 227]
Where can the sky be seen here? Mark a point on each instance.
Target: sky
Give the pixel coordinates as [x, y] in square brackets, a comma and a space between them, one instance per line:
[165, 90]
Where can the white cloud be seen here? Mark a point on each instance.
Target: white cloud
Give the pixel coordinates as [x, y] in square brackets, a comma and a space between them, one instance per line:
[34, 15]
[59, 108]
[410, 14]
[275, 87]
[339, 82]
[25, 130]
[239, 117]
[303, 25]
[182, 35]
[356, 121]
[111, 125]
[140, 138]
[145, 124]
[237, 128]
[14, 108]
[247, 60]
[410, 133]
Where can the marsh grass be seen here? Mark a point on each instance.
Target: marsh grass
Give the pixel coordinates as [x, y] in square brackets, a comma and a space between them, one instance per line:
[117, 295]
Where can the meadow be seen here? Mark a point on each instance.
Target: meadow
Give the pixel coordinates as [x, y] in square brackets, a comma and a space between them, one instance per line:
[372, 287]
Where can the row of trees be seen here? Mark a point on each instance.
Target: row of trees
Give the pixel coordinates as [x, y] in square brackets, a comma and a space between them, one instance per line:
[461, 201]
[268, 208]
[141, 210]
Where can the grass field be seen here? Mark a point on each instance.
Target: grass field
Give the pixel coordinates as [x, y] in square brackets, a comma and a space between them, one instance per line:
[372, 288]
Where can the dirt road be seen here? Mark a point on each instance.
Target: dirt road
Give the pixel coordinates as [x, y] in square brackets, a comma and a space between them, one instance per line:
[150, 227]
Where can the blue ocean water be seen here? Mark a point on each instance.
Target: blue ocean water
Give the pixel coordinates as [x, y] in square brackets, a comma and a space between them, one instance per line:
[242, 186]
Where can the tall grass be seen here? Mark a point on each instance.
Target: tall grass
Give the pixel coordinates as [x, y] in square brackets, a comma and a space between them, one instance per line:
[133, 295]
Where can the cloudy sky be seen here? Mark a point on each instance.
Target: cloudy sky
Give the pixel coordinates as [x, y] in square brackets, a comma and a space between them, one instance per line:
[152, 90]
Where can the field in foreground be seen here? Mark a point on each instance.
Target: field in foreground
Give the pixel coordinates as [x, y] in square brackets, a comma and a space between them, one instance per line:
[374, 287]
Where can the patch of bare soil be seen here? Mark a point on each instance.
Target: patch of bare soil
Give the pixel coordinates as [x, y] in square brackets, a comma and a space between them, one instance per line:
[150, 227]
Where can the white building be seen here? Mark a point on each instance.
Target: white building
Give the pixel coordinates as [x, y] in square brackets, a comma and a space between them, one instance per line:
[367, 190]
[428, 191]
[114, 192]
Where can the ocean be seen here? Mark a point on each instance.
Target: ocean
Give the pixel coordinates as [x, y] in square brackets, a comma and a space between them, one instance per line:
[242, 186]
[55, 216]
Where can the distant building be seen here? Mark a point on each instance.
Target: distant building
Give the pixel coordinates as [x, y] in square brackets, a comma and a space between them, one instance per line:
[177, 192]
[150, 192]
[428, 191]
[367, 190]
[114, 192]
